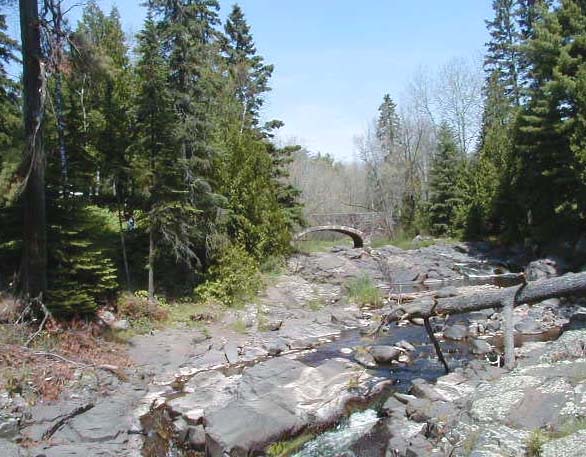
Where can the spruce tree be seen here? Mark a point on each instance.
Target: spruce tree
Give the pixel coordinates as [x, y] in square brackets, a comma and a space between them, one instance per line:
[502, 58]
[445, 197]
[250, 75]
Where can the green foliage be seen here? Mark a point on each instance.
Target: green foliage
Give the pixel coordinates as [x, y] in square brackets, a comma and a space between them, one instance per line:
[82, 273]
[232, 280]
[445, 192]
[362, 291]
[255, 219]
[287, 448]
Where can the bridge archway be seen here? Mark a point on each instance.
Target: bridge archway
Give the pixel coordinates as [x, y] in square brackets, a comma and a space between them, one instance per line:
[358, 237]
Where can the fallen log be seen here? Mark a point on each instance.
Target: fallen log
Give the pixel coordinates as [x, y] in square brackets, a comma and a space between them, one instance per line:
[530, 292]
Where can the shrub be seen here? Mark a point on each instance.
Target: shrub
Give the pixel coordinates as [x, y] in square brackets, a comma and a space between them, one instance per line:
[363, 291]
[232, 280]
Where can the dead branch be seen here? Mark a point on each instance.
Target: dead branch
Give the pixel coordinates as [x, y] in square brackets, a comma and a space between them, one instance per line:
[61, 422]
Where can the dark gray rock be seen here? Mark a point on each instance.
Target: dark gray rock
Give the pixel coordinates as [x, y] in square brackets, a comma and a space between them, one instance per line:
[541, 269]
[275, 347]
[529, 326]
[456, 332]
[480, 347]
[384, 354]
[196, 438]
[364, 358]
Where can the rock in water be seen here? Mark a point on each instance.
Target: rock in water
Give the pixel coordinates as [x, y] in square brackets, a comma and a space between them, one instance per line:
[364, 358]
[385, 354]
[456, 332]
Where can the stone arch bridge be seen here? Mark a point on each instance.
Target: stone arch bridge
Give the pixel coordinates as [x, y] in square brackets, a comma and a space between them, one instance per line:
[358, 226]
[358, 237]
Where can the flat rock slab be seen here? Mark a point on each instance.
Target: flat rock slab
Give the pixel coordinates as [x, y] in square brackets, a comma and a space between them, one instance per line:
[277, 398]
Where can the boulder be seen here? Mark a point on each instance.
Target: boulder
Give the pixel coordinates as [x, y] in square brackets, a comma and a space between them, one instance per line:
[385, 354]
[276, 346]
[529, 326]
[364, 358]
[277, 399]
[456, 332]
[541, 269]
[480, 347]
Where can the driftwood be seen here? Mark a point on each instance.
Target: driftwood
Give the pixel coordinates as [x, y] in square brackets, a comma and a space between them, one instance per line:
[509, 297]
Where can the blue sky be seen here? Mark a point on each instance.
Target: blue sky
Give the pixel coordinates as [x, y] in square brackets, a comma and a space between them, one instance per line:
[335, 59]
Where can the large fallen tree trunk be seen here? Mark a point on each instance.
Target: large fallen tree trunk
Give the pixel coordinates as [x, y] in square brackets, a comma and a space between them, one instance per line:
[531, 292]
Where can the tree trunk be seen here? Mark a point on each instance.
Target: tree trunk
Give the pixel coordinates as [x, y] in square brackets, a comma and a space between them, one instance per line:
[507, 298]
[151, 265]
[532, 292]
[123, 240]
[34, 256]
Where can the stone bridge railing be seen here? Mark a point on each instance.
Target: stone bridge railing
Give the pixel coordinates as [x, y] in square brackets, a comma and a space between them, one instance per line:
[370, 223]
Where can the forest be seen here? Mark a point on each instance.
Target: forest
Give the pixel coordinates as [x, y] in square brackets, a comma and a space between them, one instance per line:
[157, 296]
[143, 164]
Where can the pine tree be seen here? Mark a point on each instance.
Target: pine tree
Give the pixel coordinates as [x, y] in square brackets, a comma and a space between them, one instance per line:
[502, 58]
[387, 126]
[548, 183]
[157, 171]
[250, 75]
[190, 42]
[10, 119]
[445, 197]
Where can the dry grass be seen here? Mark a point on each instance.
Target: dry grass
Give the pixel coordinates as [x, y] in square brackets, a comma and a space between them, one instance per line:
[37, 372]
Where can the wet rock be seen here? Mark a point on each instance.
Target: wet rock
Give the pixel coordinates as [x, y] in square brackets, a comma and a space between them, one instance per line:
[541, 269]
[196, 437]
[364, 358]
[406, 345]
[456, 332]
[480, 347]
[385, 354]
[278, 398]
[417, 321]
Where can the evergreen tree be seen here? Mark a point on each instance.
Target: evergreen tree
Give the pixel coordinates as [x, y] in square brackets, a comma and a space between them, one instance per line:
[10, 118]
[157, 170]
[190, 42]
[250, 75]
[548, 183]
[445, 197]
[387, 126]
[502, 57]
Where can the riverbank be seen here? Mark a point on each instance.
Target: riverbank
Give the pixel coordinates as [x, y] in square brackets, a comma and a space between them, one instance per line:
[294, 360]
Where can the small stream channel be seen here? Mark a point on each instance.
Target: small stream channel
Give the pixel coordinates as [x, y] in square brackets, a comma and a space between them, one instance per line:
[362, 425]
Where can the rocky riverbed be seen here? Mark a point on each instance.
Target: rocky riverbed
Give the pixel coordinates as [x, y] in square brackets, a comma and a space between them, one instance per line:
[300, 361]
